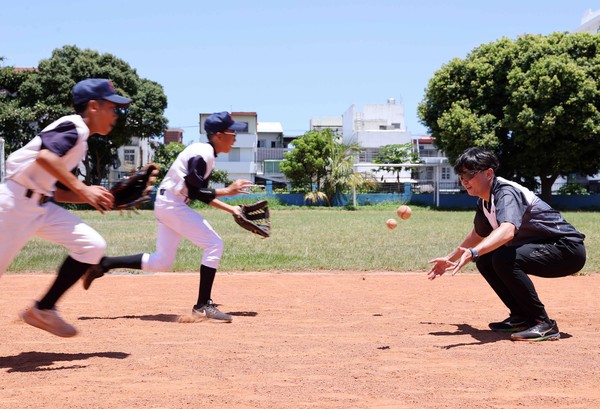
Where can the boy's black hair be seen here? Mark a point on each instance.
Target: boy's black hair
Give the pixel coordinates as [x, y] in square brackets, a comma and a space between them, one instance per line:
[476, 159]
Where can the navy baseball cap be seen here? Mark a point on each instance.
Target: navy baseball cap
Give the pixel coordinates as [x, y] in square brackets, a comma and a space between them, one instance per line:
[97, 88]
[221, 121]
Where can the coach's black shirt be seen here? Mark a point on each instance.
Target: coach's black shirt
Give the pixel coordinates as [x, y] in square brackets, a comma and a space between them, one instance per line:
[533, 218]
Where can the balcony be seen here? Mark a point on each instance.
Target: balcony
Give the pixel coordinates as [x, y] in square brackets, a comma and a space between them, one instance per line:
[263, 154]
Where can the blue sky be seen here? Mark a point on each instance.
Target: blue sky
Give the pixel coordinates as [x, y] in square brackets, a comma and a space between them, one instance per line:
[287, 61]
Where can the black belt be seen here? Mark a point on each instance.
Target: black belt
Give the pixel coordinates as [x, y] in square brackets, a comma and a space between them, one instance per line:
[43, 198]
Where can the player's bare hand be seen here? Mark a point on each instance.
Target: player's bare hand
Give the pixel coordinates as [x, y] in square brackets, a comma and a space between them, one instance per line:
[465, 257]
[99, 197]
[240, 186]
[440, 266]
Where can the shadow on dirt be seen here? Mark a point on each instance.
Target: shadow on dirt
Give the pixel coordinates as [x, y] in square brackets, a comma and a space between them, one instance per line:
[43, 361]
[481, 337]
[153, 317]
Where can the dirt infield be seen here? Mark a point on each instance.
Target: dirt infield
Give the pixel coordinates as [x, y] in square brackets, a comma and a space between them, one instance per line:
[310, 340]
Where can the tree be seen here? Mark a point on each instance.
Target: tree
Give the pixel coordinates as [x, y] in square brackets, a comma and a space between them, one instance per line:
[322, 167]
[304, 166]
[396, 154]
[533, 101]
[164, 156]
[34, 98]
[341, 176]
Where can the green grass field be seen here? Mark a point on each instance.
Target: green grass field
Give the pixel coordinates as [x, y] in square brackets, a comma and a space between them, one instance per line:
[303, 239]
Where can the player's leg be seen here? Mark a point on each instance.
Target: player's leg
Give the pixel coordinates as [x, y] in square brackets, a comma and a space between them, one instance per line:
[188, 223]
[555, 258]
[85, 246]
[19, 217]
[167, 242]
[514, 264]
[515, 321]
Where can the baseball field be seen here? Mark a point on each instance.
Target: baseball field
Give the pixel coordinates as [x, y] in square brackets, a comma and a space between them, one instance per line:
[333, 311]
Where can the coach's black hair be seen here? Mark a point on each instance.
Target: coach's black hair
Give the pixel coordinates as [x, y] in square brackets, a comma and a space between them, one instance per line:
[476, 159]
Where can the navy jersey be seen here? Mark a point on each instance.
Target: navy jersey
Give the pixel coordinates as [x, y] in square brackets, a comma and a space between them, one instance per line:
[533, 218]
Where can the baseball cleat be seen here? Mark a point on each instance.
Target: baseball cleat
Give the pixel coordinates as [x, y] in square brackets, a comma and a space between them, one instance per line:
[209, 310]
[48, 320]
[511, 324]
[92, 273]
[542, 331]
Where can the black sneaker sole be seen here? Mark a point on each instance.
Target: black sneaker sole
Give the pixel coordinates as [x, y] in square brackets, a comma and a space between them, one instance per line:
[551, 337]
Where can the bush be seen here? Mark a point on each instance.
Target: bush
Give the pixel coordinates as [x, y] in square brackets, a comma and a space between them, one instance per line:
[573, 189]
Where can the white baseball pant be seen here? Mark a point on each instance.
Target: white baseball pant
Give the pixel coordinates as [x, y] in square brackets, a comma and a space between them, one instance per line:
[176, 220]
[23, 217]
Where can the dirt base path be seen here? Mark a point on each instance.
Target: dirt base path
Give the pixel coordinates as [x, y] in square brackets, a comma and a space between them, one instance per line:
[322, 340]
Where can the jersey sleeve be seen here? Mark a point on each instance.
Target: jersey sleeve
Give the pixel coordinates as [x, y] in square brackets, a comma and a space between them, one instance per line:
[60, 139]
[510, 207]
[196, 183]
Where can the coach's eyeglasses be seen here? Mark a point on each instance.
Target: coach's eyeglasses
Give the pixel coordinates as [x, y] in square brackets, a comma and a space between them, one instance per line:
[467, 176]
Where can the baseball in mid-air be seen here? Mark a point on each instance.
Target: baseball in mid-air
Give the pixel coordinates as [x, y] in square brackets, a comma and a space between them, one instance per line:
[404, 212]
[391, 224]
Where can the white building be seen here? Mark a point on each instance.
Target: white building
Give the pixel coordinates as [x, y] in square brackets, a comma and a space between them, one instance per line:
[590, 22]
[270, 135]
[240, 162]
[375, 126]
[335, 123]
[131, 157]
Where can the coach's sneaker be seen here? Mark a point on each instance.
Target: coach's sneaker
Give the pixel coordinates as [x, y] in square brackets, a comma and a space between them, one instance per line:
[209, 310]
[48, 320]
[93, 272]
[511, 324]
[542, 331]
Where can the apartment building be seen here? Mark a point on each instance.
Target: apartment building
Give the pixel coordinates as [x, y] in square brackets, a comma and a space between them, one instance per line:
[131, 157]
[374, 126]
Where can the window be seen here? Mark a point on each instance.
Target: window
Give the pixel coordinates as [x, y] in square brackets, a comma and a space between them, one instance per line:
[262, 143]
[446, 174]
[272, 167]
[129, 156]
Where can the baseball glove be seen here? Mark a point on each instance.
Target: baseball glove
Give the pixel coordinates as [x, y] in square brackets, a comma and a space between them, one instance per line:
[255, 218]
[132, 192]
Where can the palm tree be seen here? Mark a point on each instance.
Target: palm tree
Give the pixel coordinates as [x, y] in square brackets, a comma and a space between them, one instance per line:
[340, 176]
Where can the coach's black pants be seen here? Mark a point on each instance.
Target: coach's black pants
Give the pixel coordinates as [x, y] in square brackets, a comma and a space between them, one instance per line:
[506, 270]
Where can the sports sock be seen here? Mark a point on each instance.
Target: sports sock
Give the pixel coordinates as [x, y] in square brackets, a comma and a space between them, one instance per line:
[207, 277]
[133, 261]
[68, 274]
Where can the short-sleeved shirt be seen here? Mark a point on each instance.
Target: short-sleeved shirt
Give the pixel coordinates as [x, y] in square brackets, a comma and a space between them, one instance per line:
[189, 175]
[533, 218]
[66, 137]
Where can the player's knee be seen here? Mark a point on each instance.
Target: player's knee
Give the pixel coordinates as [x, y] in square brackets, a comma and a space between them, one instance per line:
[96, 249]
[162, 265]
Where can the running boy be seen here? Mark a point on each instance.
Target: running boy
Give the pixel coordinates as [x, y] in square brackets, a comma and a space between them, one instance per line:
[40, 172]
[187, 180]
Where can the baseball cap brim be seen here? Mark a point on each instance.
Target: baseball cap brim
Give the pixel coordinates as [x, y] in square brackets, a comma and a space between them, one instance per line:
[119, 100]
[237, 126]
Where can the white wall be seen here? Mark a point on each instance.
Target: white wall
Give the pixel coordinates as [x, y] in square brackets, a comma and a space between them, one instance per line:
[590, 22]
